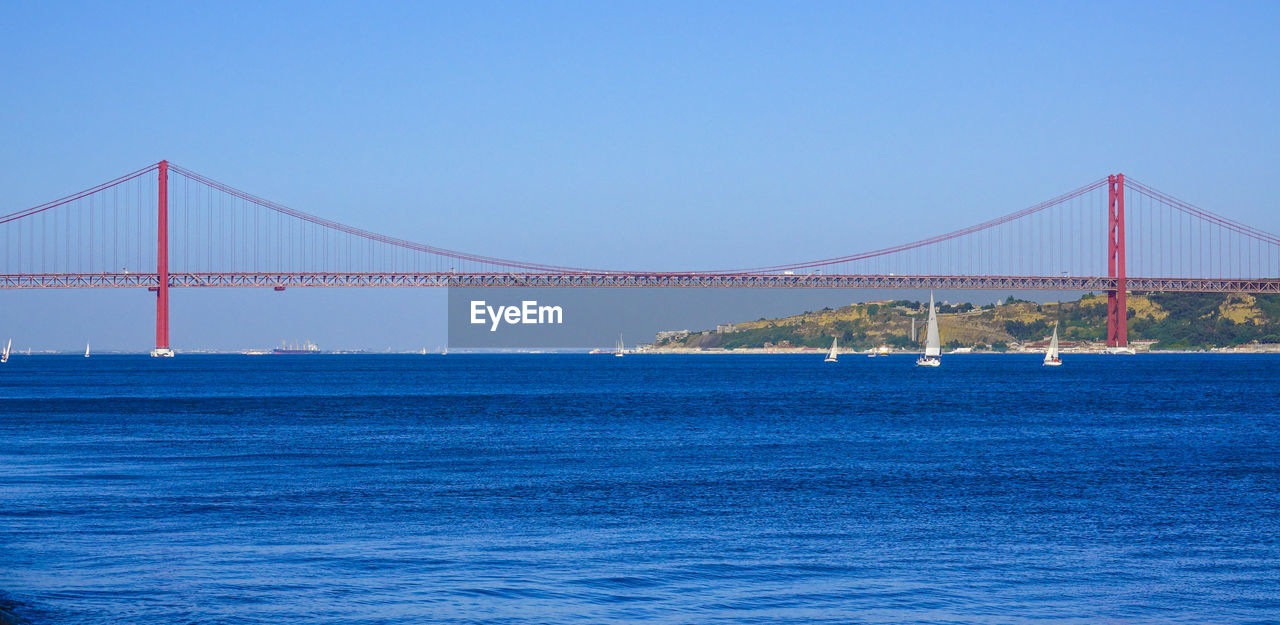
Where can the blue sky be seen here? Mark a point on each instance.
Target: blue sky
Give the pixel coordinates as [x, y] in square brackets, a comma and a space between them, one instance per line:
[665, 135]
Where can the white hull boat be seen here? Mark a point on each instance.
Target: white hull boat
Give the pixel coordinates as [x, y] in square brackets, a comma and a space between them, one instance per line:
[932, 343]
[1051, 358]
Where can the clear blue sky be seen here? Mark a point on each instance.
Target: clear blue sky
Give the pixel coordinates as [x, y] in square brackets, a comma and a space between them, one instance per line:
[679, 135]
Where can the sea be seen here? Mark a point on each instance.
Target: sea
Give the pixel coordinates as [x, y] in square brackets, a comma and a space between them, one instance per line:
[393, 489]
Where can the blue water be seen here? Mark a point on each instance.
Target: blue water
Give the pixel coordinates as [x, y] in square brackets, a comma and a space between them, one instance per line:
[707, 489]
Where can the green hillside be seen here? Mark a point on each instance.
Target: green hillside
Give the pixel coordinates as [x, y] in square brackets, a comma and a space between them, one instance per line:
[1172, 320]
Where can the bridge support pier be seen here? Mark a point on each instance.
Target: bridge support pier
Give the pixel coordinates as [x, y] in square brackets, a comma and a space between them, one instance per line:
[1117, 304]
[162, 266]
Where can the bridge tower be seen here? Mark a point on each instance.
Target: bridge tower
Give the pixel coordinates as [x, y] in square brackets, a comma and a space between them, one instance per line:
[1117, 305]
[162, 266]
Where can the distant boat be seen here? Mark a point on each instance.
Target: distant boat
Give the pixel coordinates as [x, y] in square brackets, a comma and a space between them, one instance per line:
[424, 351]
[619, 352]
[307, 348]
[86, 350]
[831, 355]
[932, 344]
[1051, 355]
[4, 356]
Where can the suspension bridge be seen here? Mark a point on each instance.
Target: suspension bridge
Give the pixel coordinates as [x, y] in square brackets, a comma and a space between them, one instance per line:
[164, 226]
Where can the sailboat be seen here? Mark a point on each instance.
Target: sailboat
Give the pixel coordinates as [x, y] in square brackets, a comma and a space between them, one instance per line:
[1051, 355]
[619, 352]
[932, 344]
[86, 350]
[4, 356]
[831, 355]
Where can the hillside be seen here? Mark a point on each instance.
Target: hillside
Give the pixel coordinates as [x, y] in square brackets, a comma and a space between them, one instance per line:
[1171, 320]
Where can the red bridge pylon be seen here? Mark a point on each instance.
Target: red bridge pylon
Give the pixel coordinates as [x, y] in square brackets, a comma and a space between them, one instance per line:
[1117, 305]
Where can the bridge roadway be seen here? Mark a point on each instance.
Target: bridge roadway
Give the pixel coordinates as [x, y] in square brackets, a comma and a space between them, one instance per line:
[281, 280]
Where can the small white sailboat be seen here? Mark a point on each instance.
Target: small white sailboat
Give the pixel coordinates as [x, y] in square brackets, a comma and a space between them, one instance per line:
[831, 355]
[1051, 358]
[86, 350]
[4, 356]
[932, 343]
[619, 352]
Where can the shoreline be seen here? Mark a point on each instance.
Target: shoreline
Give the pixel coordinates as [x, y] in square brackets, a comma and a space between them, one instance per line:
[745, 351]
[819, 352]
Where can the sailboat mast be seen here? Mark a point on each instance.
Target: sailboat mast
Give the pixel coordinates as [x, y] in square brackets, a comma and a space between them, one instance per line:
[933, 344]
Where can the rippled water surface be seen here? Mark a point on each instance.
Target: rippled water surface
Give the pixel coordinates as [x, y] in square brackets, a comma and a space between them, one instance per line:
[522, 489]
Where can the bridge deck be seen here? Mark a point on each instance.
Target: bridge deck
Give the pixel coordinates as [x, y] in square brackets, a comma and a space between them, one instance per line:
[633, 280]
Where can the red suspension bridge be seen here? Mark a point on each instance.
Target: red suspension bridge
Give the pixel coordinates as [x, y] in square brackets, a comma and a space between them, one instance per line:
[164, 226]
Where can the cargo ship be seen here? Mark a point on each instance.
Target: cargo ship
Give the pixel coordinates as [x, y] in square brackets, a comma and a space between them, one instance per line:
[307, 347]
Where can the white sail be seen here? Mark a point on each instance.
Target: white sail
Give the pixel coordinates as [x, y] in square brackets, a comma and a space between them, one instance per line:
[1052, 353]
[831, 355]
[86, 350]
[4, 357]
[932, 344]
[620, 347]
